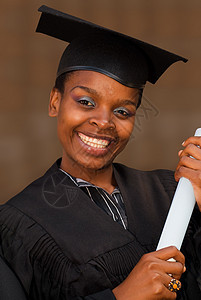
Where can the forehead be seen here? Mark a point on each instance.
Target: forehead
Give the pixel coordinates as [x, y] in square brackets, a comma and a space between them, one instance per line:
[99, 83]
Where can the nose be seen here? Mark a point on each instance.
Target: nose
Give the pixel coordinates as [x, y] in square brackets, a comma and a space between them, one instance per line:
[102, 119]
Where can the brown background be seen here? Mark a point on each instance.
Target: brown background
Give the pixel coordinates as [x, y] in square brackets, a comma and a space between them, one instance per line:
[28, 65]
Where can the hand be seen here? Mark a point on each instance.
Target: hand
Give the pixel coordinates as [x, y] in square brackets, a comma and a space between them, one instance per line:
[189, 167]
[150, 278]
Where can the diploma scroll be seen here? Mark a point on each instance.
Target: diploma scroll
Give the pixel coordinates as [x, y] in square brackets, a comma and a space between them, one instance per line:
[179, 214]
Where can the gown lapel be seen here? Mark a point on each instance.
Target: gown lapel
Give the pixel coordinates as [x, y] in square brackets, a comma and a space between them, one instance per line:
[146, 203]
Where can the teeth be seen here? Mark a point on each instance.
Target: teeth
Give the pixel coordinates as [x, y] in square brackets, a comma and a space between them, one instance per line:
[96, 143]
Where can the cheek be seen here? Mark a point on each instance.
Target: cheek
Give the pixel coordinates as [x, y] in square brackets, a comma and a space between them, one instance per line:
[125, 130]
[70, 120]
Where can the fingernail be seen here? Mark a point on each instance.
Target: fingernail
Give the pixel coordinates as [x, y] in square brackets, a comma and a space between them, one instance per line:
[180, 152]
[183, 143]
[184, 270]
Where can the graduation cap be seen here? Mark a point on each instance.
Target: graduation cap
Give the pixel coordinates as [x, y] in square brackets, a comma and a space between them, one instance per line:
[127, 60]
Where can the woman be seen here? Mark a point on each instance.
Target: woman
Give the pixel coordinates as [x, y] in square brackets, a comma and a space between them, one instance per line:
[88, 228]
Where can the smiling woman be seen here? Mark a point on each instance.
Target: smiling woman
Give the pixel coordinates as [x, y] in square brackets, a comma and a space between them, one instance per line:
[95, 120]
[88, 228]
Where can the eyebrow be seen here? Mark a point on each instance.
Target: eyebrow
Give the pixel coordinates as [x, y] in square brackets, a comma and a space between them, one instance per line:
[87, 89]
[128, 102]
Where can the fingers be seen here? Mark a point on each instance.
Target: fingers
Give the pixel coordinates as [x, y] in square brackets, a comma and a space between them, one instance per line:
[189, 165]
[193, 175]
[196, 140]
[176, 268]
[192, 147]
[190, 160]
[161, 289]
[170, 252]
[191, 150]
[150, 278]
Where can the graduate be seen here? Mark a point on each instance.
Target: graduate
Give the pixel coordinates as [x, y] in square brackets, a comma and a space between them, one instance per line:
[88, 228]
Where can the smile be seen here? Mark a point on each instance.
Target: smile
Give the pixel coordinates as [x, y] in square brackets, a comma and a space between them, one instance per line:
[93, 142]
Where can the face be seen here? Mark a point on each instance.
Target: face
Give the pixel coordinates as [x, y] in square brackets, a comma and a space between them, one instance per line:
[95, 120]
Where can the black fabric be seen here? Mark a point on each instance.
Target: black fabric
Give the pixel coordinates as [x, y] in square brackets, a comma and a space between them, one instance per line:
[10, 287]
[95, 48]
[121, 61]
[104, 295]
[63, 246]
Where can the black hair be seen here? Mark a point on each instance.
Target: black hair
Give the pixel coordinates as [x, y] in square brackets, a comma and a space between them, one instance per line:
[61, 80]
[140, 98]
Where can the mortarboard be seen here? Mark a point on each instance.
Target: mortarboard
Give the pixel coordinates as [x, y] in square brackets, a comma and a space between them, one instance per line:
[92, 47]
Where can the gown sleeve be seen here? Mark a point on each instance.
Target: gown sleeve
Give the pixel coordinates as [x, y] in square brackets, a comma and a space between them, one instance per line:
[10, 287]
[106, 294]
[42, 268]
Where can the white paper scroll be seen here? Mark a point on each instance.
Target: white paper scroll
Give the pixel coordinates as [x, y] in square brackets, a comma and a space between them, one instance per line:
[179, 214]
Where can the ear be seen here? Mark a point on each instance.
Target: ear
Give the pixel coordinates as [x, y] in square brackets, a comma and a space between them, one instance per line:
[55, 100]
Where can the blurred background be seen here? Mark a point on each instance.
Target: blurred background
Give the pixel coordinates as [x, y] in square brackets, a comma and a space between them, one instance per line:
[171, 109]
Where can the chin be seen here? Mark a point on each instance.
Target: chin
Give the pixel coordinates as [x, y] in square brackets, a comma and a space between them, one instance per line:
[95, 165]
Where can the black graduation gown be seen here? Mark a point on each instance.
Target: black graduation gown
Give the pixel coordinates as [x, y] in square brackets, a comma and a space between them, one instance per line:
[62, 246]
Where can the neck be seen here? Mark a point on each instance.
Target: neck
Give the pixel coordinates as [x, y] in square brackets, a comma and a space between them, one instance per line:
[103, 178]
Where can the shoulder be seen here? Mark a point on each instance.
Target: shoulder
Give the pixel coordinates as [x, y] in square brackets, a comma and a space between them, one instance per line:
[158, 177]
[40, 210]
[128, 171]
[47, 205]
[32, 252]
[31, 229]
[49, 190]
[54, 206]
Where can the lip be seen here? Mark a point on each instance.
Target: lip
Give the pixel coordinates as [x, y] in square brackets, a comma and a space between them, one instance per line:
[98, 150]
[98, 136]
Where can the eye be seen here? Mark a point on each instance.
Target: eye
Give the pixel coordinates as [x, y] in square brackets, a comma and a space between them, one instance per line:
[86, 101]
[123, 112]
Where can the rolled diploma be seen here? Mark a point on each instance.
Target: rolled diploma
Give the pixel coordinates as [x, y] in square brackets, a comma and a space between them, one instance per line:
[179, 214]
